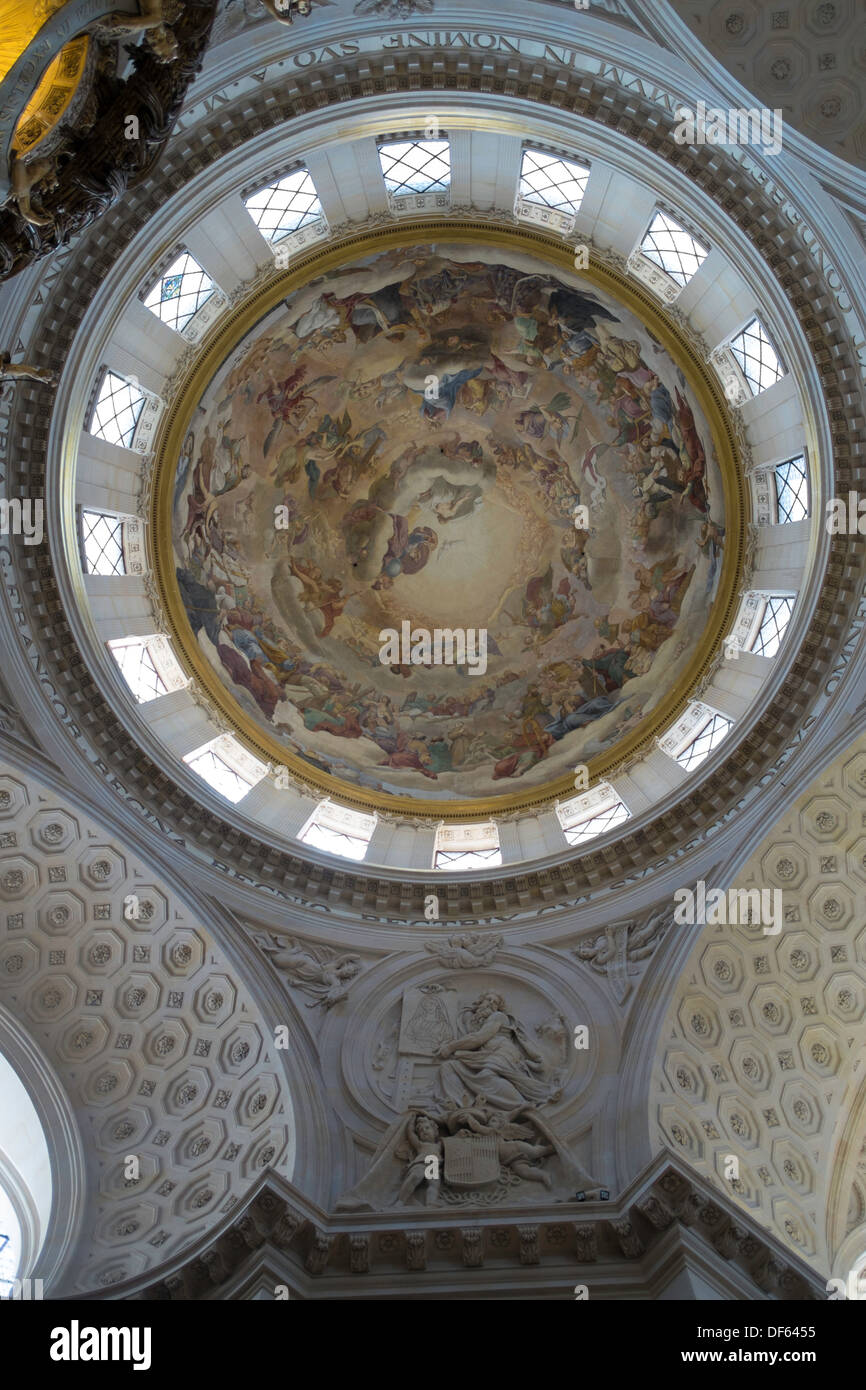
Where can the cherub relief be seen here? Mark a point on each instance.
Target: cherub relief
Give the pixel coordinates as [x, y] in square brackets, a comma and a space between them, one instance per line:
[423, 1142]
[517, 1144]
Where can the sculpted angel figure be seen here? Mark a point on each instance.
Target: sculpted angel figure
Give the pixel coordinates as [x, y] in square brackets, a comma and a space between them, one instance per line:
[422, 1141]
[494, 1058]
[465, 950]
[520, 1147]
[317, 970]
[599, 951]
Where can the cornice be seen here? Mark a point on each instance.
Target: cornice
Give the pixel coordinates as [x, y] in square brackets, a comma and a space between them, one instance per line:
[604, 1245]
[800, 693]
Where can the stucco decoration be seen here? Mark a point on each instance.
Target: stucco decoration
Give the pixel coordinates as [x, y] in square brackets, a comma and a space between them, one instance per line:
[155, 1038]
[323, 974]
[619, 951]
[472, 1067]
[474, 1155]
[760, 1057]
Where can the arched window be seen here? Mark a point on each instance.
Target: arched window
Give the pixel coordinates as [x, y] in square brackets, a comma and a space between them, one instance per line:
[594, 813]
[467, 847]
[26, 1183]
[10, 1243]
[339, 830]
[673, 249]
[416, 166]
[284, 206]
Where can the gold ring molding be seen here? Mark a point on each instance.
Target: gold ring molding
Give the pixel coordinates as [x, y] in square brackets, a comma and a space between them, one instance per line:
[226, 335]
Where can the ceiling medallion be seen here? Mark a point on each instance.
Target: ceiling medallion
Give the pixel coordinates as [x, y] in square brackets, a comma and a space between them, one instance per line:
[433, 522]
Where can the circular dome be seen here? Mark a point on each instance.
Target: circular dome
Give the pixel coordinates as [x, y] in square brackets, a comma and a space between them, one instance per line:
[445, 521]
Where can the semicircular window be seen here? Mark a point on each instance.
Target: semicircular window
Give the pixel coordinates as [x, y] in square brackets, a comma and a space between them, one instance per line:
[10, 1243]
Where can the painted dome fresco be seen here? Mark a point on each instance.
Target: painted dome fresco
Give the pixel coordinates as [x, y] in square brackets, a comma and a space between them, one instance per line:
[451, 451]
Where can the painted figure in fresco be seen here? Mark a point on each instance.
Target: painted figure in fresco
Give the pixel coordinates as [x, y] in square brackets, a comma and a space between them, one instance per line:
[368, 315]
[631, 413]
[333, 717]
[711, 541]
[448, 386]
[325, 595]
[289, 402]
[608, 668]
[296, 528]
[253, 675]
[411, 753]
[184, 465]
[450, 501]
[577, 311]
[530, 746]
[368, 499]
[214, 475]
[544, 609]
[199, 603]
[581, 713]
[408, 551]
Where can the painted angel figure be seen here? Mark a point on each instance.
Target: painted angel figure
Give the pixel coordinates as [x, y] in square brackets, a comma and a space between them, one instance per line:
[317, 970]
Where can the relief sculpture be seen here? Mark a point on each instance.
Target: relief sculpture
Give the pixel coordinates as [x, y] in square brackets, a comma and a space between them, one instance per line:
[471, 1087]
